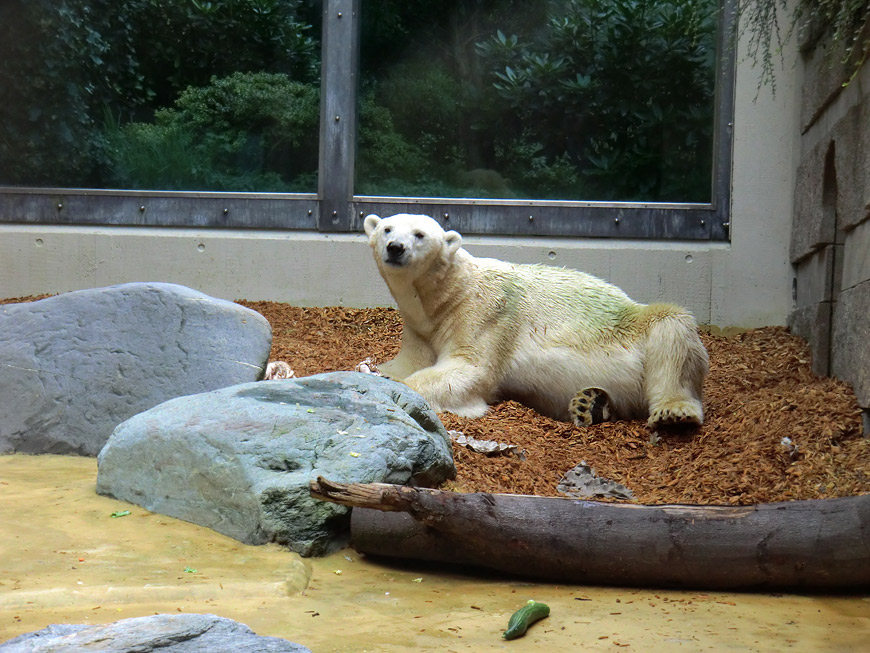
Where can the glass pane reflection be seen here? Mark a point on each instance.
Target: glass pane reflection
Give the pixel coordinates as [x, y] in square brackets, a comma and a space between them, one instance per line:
[598, 100]
[170, 95]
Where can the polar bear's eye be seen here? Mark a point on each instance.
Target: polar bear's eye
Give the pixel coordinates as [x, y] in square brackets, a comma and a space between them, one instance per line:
[387, 230]
[418, 235]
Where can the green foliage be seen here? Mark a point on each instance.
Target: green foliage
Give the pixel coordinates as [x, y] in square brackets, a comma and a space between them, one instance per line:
[586, 99]
[620, 89]
[190, 41]
[845, 21]
[388, 160]
[143, 155]
[437, 30]
[545, 177]
[421, 97]
[59, 60]
[62, 62]
[244, 132]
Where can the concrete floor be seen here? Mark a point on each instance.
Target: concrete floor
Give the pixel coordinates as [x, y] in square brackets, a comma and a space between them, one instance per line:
[64, 559]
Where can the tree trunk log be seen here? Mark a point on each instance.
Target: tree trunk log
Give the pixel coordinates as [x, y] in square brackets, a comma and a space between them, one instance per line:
[823, 543]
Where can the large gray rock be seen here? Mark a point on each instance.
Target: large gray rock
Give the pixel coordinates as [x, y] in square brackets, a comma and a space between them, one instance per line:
[74, 366]
[167, 633]
[239, 460]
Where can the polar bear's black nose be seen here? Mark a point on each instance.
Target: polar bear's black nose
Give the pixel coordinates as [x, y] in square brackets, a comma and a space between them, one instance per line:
[395, 250]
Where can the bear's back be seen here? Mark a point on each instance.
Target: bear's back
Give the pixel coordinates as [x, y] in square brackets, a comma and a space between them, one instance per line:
[572, 305]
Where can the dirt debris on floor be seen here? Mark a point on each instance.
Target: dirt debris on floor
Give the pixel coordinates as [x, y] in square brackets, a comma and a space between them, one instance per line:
[760, 390]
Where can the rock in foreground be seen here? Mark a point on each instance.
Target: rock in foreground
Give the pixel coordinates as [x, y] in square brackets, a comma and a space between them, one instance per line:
[239, 460]
[76, 365]
[181, 633]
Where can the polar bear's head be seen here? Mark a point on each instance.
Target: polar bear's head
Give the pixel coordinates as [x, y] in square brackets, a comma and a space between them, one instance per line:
[409, 244]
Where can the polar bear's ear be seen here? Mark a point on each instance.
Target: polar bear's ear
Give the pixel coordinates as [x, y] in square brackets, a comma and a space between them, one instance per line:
[453, 241]
[371, 223]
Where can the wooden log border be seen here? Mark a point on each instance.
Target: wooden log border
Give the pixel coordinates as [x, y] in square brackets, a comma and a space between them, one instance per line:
[797, 544]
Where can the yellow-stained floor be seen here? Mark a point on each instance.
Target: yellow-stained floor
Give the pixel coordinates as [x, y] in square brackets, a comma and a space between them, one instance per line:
[64, 559]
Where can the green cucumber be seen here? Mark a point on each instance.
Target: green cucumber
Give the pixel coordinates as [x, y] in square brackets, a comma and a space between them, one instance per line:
[524, 617]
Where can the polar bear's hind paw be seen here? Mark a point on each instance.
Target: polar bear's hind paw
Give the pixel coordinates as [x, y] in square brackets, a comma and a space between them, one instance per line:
[589, 406]
[676, 413]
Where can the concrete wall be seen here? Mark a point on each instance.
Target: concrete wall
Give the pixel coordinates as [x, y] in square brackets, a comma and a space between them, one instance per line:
[830, 243]
[745, 283]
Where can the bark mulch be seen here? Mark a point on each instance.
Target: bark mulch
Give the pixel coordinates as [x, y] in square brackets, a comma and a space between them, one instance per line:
[760, 390]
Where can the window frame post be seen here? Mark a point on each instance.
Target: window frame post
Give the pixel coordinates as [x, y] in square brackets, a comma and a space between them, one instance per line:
[338, 114]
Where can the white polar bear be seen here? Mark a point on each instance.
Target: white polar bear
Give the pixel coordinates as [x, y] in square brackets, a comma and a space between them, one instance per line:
[569, 345]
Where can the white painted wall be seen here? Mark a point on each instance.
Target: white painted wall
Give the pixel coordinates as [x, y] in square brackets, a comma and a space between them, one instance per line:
[745, 283]
[752, 279]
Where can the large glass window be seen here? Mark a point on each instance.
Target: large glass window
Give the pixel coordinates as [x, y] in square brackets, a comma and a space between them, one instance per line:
[582, 118]
[543, 99]
[171, 95]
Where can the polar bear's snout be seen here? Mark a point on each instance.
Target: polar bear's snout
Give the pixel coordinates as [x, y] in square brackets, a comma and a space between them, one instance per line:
[406, 242]
[395, 253]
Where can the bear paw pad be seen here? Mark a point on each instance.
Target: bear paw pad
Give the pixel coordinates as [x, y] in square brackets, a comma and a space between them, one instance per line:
[682, 413]
[589, 406]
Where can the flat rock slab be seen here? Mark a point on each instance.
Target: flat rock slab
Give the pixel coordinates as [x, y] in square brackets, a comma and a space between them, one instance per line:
[74, 366]
[239, 460]
[169, 633]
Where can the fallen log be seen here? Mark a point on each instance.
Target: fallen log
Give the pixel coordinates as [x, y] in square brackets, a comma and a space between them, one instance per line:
[812, 544]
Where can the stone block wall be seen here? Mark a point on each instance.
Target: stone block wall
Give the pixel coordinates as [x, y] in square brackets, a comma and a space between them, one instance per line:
[830, 243]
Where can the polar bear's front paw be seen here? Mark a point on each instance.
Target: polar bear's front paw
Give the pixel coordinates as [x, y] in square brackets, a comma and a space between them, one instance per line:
[589, 406]
[680, 412]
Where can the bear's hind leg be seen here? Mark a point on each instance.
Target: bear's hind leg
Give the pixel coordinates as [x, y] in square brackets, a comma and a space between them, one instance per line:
[589, 406]
[674, 413]
[674, 368]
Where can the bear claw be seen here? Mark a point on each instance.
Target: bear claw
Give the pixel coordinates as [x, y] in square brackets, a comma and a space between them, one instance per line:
[589, 406]
[681, 414]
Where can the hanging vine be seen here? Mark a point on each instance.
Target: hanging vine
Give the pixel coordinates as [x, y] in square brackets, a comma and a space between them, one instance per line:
[769, 24]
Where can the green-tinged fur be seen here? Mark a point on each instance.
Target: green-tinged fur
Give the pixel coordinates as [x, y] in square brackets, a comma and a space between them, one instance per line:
[480, 330]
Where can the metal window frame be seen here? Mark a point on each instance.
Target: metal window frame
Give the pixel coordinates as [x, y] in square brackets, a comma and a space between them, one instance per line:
[334, 208]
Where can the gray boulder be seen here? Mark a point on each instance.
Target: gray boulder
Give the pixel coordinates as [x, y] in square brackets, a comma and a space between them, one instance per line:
[74, 366]
[239, 460]
[167, 633]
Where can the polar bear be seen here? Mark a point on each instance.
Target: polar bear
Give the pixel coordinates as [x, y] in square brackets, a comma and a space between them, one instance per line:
[565, 343]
